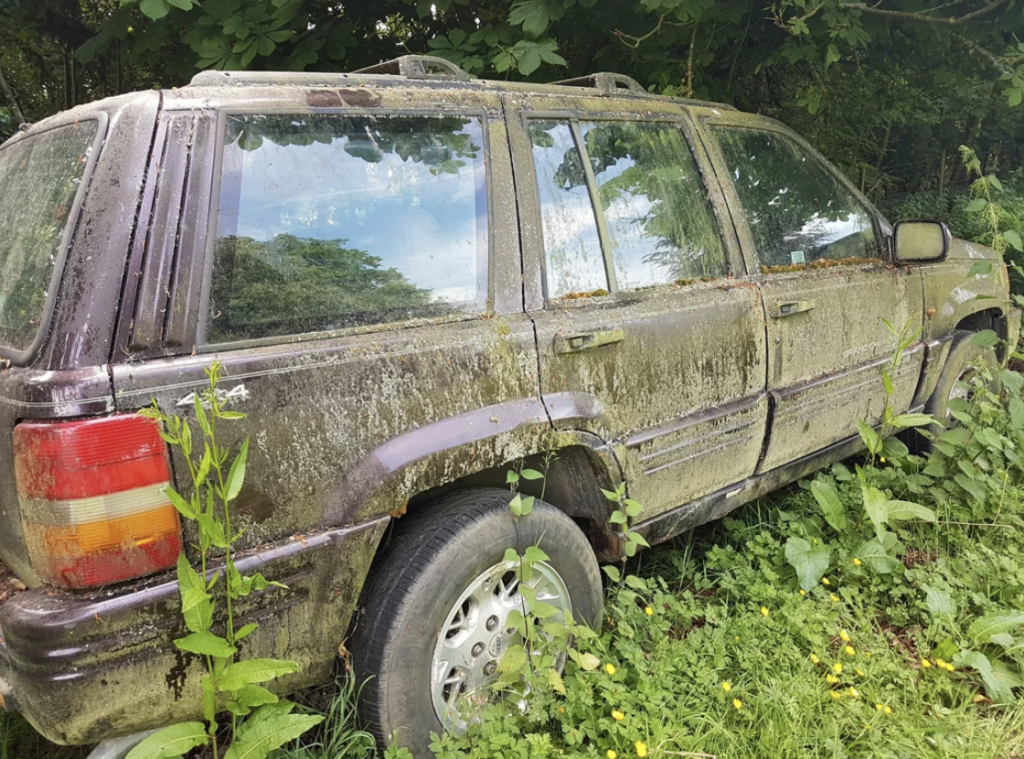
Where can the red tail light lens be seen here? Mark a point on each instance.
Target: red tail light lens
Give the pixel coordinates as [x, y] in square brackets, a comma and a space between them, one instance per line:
[92, 500]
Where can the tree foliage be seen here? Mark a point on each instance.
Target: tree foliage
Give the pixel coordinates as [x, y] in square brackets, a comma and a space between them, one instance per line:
[889, 90]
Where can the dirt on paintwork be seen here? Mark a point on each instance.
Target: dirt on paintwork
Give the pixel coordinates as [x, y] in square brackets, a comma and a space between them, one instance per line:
[10, 585]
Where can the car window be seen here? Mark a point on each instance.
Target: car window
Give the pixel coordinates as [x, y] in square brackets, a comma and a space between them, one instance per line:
[798, 211]
[572, 246]
[660, 226]
[40, 177]
[327, 222]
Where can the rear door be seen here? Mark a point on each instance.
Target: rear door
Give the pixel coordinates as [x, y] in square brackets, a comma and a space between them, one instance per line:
[649, 333]
[835, 302]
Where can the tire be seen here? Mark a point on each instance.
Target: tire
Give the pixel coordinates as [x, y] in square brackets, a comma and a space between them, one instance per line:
[419, 587]
[962, 355]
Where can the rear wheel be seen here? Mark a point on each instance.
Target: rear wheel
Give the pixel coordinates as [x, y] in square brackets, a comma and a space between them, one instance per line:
[435, 610]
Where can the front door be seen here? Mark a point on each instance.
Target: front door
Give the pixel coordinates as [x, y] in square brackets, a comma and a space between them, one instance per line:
[835, 303]
[650, 335]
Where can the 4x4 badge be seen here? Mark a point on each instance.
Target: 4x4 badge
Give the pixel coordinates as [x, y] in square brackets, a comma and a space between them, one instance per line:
[237, 393]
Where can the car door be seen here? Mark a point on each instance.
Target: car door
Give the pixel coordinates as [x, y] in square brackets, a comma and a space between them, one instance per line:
[834, 301]
[649, 333]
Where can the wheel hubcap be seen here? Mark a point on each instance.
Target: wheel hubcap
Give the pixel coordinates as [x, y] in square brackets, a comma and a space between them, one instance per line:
[476, 635]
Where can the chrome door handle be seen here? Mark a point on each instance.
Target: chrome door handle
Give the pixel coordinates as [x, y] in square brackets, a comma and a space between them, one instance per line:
[782, 309]
[577, 342]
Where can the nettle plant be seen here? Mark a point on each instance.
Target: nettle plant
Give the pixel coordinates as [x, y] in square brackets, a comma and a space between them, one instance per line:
[260, 721]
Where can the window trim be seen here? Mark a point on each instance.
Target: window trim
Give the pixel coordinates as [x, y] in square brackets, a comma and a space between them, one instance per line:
[203, 345]
[60, 255]
[573, 119]
[711, 124]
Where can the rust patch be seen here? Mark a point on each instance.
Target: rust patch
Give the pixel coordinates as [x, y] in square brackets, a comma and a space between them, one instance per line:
[10, 585]
[399, 511]
[321, 98]
[360, 98]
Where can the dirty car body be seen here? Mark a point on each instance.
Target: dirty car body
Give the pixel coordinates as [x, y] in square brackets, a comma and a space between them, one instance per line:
[415, 283]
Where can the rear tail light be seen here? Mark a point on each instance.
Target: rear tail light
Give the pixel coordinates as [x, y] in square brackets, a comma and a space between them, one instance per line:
[92, 500]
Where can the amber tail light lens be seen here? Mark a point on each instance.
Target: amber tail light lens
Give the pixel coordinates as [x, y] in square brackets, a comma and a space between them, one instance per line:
[92, 501]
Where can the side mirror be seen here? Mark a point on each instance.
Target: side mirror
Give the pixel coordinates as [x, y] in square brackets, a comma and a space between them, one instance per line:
[920, 241]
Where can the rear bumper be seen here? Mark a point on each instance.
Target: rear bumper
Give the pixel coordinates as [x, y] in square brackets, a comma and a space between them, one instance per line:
[83, 668]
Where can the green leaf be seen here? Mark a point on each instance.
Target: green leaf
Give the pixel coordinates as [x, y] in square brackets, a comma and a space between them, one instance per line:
[270, 734]
[173, 741]
[155, 9]
[532, 474]
[555, 681]
[904, 421]
[613, 572]
[905, 511]
[872, 440]
[527, 505]
[516, 505]
[976, 205]
[185, 5]
[206, 644]
[617, 517]
[186, 508]
[876, 507]
[588, 662]
[994, 181]
[533, 554]
[983, 628]
[1012, 237]
[535, 16]
[250, 671]
[252, 696]
[874, 556]
[831, 55]
[939, 602]
[237, 474]
[810, 562]
[828, 499]
[985, 339]
[998, 684]
[245, 631]
[982, 268]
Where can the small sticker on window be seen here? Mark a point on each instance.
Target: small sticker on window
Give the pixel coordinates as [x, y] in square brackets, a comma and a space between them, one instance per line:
[797, 257]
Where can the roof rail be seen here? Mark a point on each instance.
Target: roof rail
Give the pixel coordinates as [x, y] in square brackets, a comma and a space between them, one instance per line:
[606, 81]
[417, 67]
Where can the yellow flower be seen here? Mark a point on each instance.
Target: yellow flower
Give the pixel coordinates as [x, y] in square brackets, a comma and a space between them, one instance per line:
[832, 679]
[648, 611]
[824, 581]
[617, 715]
[845, 636]
[764, 611]
[887, 710]
[868, 727]
[835, 598]
[860, 673]
[803, 592]
[882, 459]
[878, 707]
[950, 668]
[609, 668]
[737, 704]
[727, 687]
[857, 562]
[641, 749]
[838, 668]
[941, 664]
[611, 754]
[836, 694]
[561, 710]
[853, 692]
[850, 651]
[814, 659]
[925, 664]
[867, 654]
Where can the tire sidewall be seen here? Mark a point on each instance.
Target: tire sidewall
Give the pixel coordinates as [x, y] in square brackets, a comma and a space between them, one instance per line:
[412, 639]
[962, 355]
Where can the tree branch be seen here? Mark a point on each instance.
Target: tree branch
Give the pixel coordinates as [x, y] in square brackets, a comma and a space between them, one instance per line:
[922, 15]
[988, 55]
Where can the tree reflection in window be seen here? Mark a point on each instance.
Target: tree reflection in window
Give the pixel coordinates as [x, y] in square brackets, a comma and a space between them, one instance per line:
[328, 222]
[660, 223]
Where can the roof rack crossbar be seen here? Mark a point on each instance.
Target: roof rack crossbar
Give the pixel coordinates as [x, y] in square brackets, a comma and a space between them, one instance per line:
[417, 67]
[606, 81]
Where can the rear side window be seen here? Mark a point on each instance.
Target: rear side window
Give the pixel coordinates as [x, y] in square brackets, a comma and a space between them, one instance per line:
[643, 186]
[798, 211]
[40, 179]
[329, 222]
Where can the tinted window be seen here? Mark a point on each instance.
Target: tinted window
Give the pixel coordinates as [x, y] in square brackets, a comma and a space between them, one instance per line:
[797, 210]
[661, 226]
[39, 179]
[328, 222]
[572, 247]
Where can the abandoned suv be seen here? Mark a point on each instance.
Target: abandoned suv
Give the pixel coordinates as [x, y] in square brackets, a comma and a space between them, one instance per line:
[415, 282]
